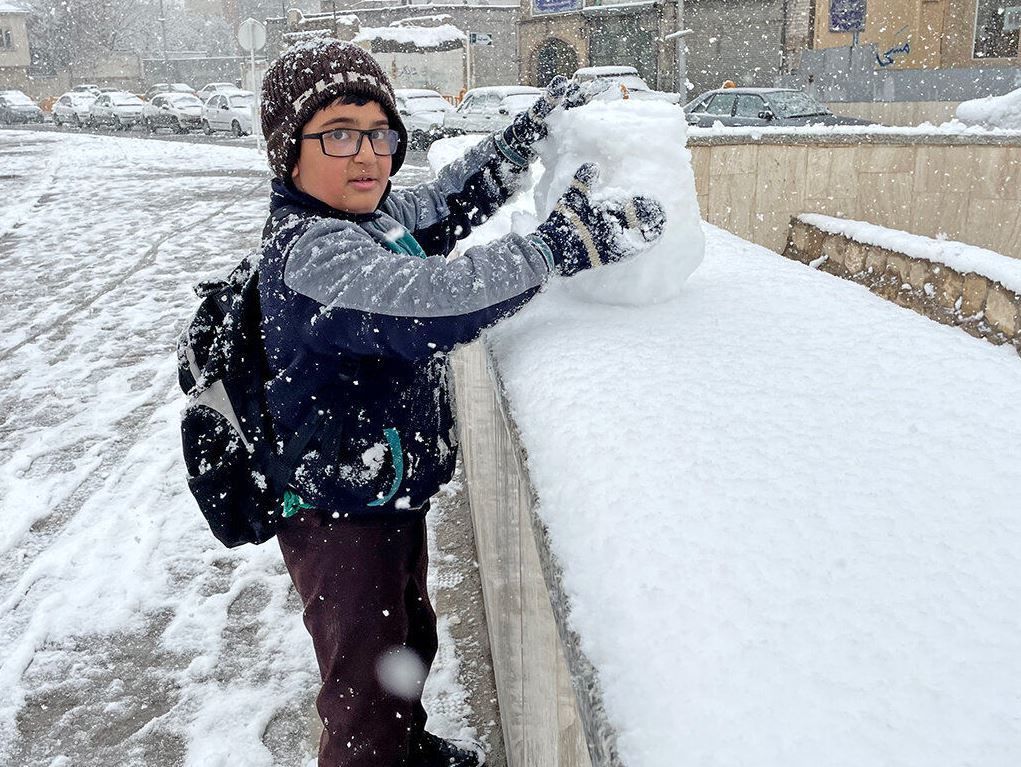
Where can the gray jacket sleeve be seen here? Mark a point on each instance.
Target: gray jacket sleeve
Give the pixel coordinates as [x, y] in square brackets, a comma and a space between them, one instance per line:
[465, 194]
[373, 302]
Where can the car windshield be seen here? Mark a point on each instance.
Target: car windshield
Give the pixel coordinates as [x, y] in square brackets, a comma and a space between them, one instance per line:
[428, 104]
[795, 104]
[242, 101]
[185, 101]
[519, 102]
[631, 82]
[125, 100]
[16, 98]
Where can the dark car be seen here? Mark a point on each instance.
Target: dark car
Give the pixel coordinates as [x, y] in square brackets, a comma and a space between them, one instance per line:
[762, 107]
[16, 107]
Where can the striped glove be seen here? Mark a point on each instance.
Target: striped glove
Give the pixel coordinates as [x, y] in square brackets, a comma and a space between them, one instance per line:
[530, 126]
[580, 234]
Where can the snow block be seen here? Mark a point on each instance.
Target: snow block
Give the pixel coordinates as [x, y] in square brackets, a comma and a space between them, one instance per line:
[640, 149]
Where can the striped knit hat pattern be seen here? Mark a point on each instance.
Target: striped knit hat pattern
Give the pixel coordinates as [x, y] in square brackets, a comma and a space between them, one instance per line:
[307, 77]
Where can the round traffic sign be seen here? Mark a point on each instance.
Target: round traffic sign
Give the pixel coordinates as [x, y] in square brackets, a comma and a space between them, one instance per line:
[251, 35]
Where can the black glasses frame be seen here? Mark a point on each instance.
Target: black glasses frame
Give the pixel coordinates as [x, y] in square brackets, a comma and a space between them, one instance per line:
[392, 136]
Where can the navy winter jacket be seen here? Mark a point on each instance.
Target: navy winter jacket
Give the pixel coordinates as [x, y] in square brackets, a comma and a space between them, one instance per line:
[358, 322]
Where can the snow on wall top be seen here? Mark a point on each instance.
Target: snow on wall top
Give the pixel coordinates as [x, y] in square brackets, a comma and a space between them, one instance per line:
[786, 513]
[993, 111]
[423, 37]
[957, 255]
[8, 7]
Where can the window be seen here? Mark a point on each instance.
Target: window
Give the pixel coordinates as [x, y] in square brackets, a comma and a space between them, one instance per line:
[6, 39]
[722, 104]
[700, 106]
[749, 106]
[995, 34]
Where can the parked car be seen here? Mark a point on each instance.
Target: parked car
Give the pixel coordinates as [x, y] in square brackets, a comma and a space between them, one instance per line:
[210, 88]
[623, 80]
[484, 110]
[178, 111]
[168, 88]
[86, 88]
[230, 111]
[118, 109]
[763, 107]
[73, 108]
[16, 107]
[422, 111]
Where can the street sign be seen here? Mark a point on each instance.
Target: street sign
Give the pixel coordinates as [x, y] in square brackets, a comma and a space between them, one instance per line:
[480, 38]
[542, 7]
[847, 15]
[251, 35]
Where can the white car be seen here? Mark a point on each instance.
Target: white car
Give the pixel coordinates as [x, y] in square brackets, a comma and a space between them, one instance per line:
[178, 111]
[118, 109]
[211, 88]
[231, 111]
[422, 111]
[623, 81]
[488, 109]
[73, 108]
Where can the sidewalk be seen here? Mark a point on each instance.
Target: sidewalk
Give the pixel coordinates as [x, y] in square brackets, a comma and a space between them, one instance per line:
[127, 635]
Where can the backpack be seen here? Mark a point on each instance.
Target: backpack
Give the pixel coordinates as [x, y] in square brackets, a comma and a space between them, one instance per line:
[238, 471]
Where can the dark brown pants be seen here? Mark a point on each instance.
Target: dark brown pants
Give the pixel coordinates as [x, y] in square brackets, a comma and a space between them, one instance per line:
[363, 584]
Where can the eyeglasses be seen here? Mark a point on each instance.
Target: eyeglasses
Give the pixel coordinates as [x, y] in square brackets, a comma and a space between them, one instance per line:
[347, 142]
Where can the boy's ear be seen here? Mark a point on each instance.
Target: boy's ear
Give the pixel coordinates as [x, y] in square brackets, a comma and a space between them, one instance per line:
[295, 172]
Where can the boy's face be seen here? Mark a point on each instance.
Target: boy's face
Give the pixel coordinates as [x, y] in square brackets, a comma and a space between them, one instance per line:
[351, 184]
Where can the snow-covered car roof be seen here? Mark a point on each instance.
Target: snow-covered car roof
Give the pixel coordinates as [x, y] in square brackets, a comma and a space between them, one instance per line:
[412, 93]
[502, 90]
[79, 95]
[605, 71]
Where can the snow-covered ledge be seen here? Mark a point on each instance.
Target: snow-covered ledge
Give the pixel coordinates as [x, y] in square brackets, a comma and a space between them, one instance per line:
[956, 284]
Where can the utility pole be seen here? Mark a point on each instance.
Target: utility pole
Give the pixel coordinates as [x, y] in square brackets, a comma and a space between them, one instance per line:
[163, 29]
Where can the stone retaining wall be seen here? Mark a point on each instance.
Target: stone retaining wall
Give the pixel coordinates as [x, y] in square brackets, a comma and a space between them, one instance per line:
[981, 306]
[960, 185]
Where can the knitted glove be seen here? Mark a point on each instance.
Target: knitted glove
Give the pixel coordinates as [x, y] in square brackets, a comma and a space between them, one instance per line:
[530, 126]
[580, 233]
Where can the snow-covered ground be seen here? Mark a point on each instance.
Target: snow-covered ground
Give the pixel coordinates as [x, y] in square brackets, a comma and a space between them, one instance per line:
[128, 636]
[786, 511]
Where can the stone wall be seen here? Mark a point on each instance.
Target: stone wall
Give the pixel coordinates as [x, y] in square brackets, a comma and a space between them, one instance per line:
[962, 186]
[898, 113]
[977, 304]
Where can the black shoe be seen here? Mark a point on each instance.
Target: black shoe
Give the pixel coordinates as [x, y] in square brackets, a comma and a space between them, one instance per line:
[428, 750]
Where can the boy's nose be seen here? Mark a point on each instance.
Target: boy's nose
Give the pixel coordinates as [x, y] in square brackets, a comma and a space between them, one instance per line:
[365, 151]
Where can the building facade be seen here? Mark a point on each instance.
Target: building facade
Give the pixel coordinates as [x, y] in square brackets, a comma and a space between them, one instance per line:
[14, 54]
[557, 37]
[750, 42]
[929, 34]
[491, 27]
[923, 51]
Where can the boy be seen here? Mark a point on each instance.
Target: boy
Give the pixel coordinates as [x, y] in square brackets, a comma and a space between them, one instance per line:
[360, 308]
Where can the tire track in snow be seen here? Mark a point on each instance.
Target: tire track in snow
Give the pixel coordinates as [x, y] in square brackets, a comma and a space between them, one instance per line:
[19, 210]
[147, 259]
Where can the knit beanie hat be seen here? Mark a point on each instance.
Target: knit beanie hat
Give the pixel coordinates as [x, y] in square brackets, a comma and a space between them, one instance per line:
[308, 76]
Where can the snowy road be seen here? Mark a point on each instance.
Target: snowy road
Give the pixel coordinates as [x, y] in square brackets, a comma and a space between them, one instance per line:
[127, 635]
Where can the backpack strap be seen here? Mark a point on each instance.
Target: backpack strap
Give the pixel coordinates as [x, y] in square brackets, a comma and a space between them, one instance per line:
[282, 466]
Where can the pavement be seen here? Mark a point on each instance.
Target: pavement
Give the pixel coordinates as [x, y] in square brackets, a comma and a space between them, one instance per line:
[125, 637]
